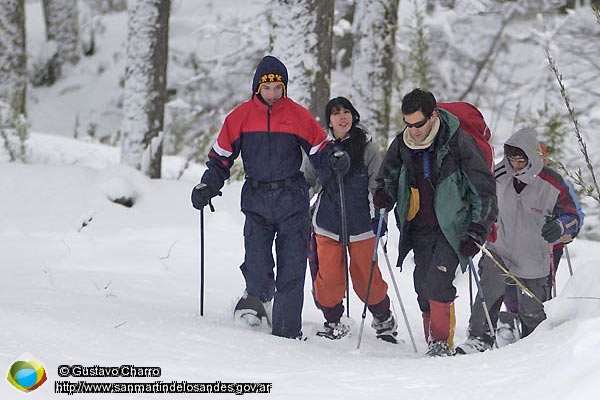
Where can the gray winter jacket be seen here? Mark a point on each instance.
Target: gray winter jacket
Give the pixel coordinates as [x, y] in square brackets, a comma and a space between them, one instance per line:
[522, 215]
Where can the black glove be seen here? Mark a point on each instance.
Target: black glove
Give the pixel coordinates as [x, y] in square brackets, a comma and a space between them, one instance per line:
[201, 195]
[339, 160]
[383, 200]
[468, 247]
[552, 230]
[375, 225]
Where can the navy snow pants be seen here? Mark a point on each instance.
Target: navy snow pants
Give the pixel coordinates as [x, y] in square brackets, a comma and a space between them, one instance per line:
[435, 267]
[277, 214]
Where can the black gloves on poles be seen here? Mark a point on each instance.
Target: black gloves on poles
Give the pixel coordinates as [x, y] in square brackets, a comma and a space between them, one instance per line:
[339, 160]
[383, 200]
[468, 247]
[201, 195]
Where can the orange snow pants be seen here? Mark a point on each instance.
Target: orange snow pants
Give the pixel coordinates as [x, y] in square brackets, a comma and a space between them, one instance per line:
[330, 284]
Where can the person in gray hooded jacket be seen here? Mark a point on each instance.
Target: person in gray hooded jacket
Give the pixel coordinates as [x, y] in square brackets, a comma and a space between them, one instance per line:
[534, 211]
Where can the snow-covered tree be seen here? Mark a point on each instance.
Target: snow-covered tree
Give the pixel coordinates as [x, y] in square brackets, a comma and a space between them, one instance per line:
[373, 57]
[145, 85]
[87, 29]
[478, 51]
[13, 79]
[13, 58]
[62, 27]
[301, 38]
[343, 38]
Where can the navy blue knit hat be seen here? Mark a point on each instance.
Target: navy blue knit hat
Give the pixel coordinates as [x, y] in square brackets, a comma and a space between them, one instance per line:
[270, 69]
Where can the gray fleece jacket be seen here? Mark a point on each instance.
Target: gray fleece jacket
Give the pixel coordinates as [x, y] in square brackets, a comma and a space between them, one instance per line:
[522, 215]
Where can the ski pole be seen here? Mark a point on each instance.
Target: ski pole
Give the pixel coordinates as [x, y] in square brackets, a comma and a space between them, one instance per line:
[373, 260]
[568, 259]
[387, 260]
[212, 209]
[202, 262]
[482, 298]
[470, 290]
[507, 273]
[552, 271]
[344, 235]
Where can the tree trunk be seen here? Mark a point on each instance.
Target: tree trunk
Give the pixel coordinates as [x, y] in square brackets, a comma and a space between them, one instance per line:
[343, 39]
[62, 26]
[13, 58]
[301, 38]
[145, 85]
[375, 24]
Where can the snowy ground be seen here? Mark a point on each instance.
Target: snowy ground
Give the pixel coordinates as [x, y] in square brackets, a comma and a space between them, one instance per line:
[123, 290]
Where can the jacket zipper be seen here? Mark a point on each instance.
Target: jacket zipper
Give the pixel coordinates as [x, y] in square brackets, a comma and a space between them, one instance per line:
[269, 133]
[514, 231]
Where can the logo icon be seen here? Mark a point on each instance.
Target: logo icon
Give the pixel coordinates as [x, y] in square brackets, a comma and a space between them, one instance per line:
[26, 374]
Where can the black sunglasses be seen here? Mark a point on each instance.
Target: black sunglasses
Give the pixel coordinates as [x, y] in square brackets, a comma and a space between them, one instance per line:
[417, 124]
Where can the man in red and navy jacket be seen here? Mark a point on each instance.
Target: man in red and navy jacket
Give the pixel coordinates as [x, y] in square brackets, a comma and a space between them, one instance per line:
[270, 131]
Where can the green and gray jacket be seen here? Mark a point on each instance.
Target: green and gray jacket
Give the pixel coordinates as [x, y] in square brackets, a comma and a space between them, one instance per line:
[465, 193]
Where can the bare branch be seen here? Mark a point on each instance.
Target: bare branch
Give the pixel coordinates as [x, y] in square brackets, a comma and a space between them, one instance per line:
[590, 190]
[482, 64]
[576, 178]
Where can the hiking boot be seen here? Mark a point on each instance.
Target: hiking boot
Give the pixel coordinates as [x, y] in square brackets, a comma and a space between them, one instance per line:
[509, 329]
[439, 348]
[474, 344]
[252, 311]
[333, 330]
[386, 329]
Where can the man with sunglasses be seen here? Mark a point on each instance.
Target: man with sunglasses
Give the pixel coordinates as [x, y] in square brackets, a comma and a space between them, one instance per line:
[445, 197]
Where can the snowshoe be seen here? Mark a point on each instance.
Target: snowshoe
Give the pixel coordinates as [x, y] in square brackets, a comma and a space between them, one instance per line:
[301, 338]
[252, 311]
[474, 344]
[333, 330]
[386, 329]
[439, 348]
[389, 338]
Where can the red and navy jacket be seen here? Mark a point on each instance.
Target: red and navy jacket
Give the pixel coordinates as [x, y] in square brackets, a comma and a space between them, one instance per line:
[269, 138]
